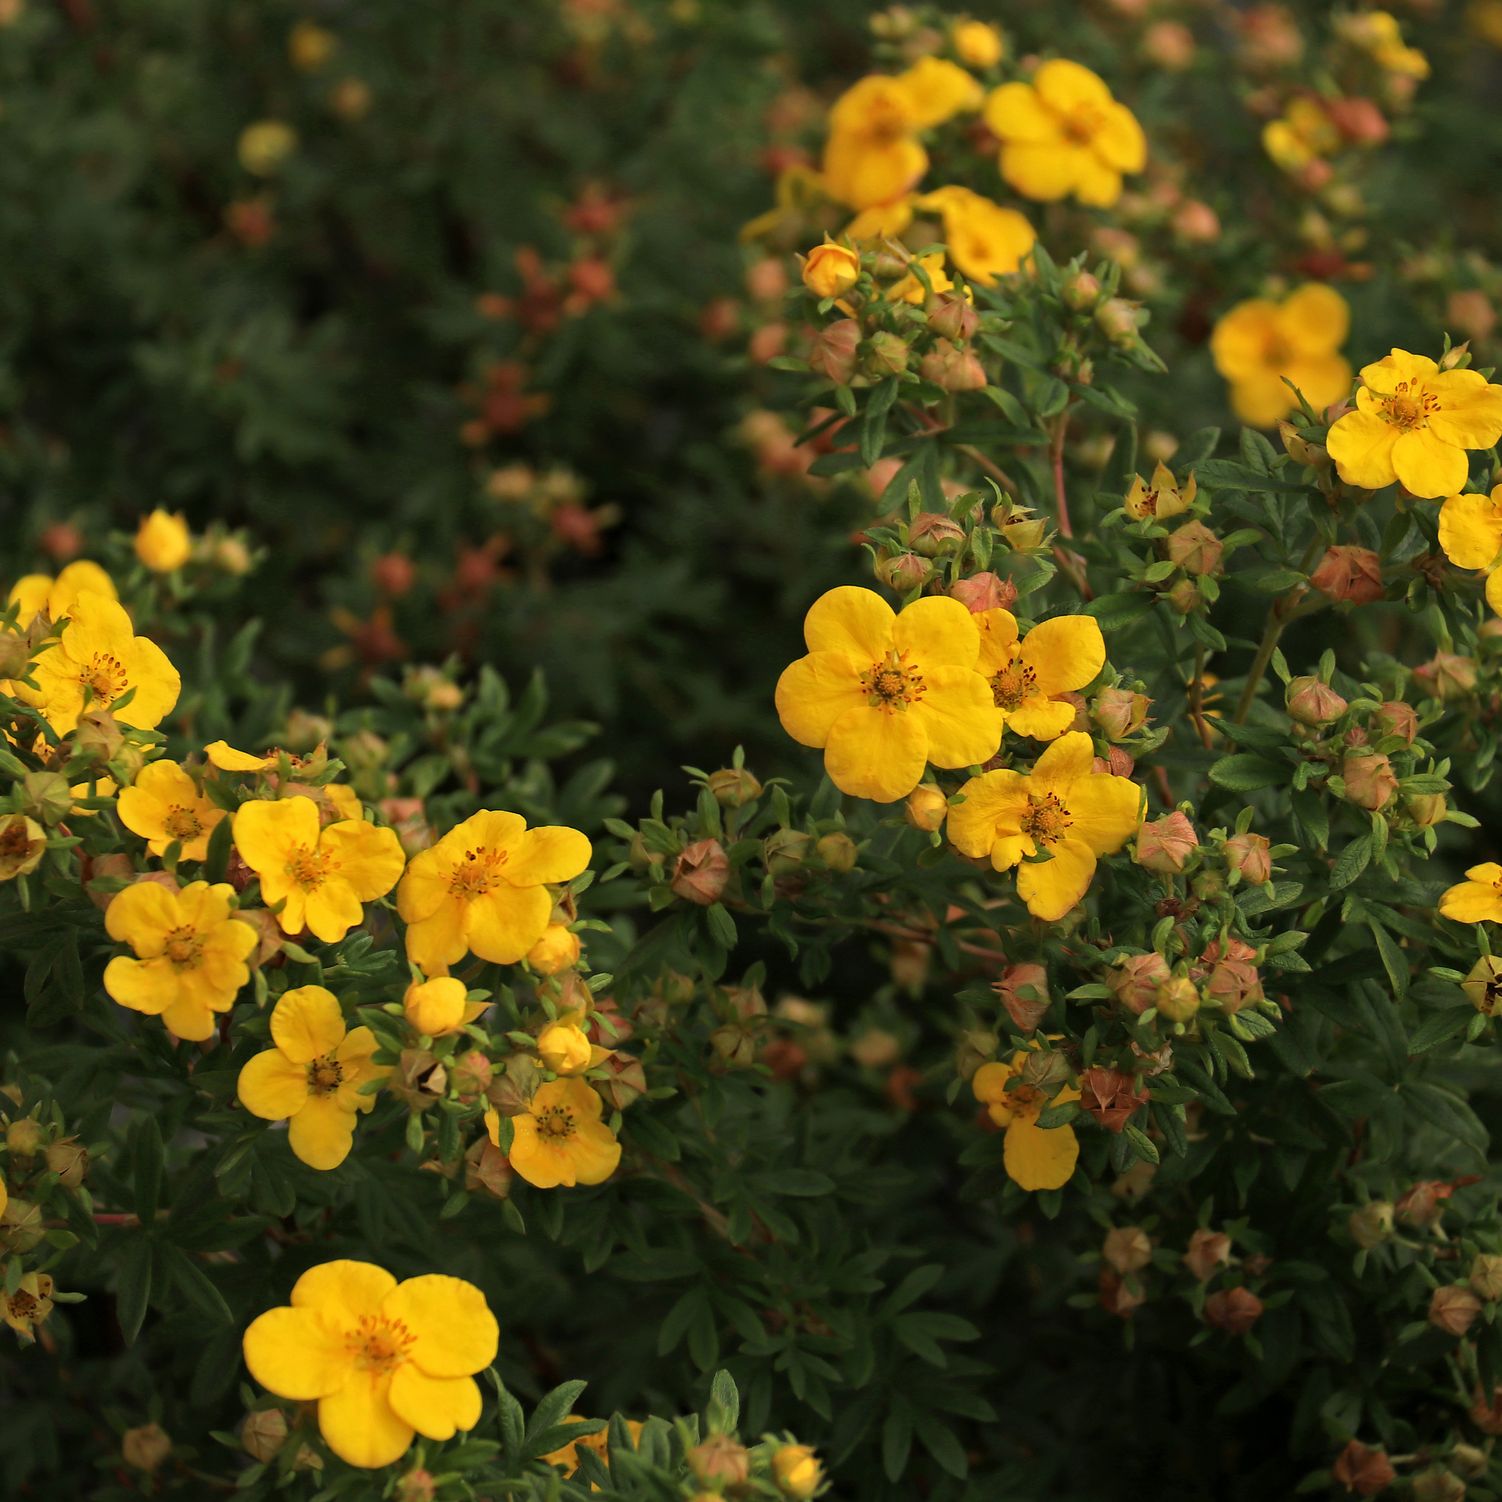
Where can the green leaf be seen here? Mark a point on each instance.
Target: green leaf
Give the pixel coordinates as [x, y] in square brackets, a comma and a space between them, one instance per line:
[146, 1162]
[1245, 773]
[133, 1284]
[1351, 862]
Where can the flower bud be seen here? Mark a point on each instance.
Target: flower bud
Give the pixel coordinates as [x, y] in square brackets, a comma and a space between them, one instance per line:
[1208, 1252]
[1470, 1460]
[22, 1225]
[435, 1007]
[1234, 1310]
[932, 534]
[1483, 985]
[1369, 778]
[472, 1074]
[1194, 548]
[1118, 320]
[418, 1485]
[977, 44]
[1312, 702]
[1349, 573]
[1486, 1276]
[1023, 990]
[1397, 718]
[734, 787]
[974, 1048]
[953, 318]
[720, 1461]
[1426, 809]
[904, 572]
[565, 1048]
[1177, 999]
[926, 808]
[835, 350]
[1111, 1096]
[1081, 291]
[1453, 1309]
[145, 1448]
[952, 368]
[265, 145]
[837, 850]
[1194, 222]
[982, 592]
[797, 1471]
[1020, 529]
[23, 1137]
[557, 950]
[46, 796]
[1486, 1413]
[830, 270]
[1371, 1225]
[163, 542]
[68, 1158]
[1135, 981]
[1303, 450]
[1438, 1485]
[1250, 857]
[263, 1434]
[1165, 845]
[1119, 712]
[701, 872]
[1363, 1470]
[886, 355]
[1448, 676]
[1128, 1249]
[785, 851]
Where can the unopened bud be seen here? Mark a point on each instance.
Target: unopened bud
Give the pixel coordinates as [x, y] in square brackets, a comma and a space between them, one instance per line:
[1208, 1252]
[1351, 574]
[926, 808]
[1128, 1249]
[556, 951]
[904, 572]
[953, 318]
[69, 1160]
[1165, 845]
[1426, 809]
[1363, 1470]
[1438, 1485]
[1118, 320]
[886, 355]
[734, 787]
[23, 1137]
[951, 368]
[1136, 981]
[1371, 1225]
[1194, 548]
[46, 796]
[830, 270]
[720, 1461]
[1023, 991]
[837, 851]
[1250, 856]
[785, 851]
[981, 592]
[1177, 999]
[797, 1471]
[835, 351]
[1448, 676]
[145, 1448]
[1303, 450]
[1312, 702]
[701, 873]
[1369, 778]
[1081, 291]
[933, 534]
[1453, 1309]
[1119, 712]
[1397, 718]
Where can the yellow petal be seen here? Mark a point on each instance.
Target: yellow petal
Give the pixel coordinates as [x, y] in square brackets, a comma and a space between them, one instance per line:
[1470, 411]
[1050, 888]
[595, 1152]
[191, 1016]
[815, 691]
[1472, 902]
[344, 1290]
[1494, 590]
[295, 1354]
[992, 799]
[272, 1087]
[358, 1424]
[876, 753]
[855, 622]
[1314, 319]
[1042, 719]
[424, 887]
[1361, 444]
[321, 1133]
[1470, 529]
[998, 636]
[862, 171]
[1428, 466]
[454, 1333]
[990, 1081]
[1014, 112]
[265, 832]
[437, 941]
[958, 714]
[433, 1406]
[1037, 1157]
[937, 632]
[549, 853]
[1070, 757]
[1239, 342]
[1066, 86]
[329, 911]
[1045, 172]
[1065, 654]
[142, 916]
[307, 1023]
[148, 986]
[370, 857]
[227, 759]
[1096, 182]
[1104, 811]
[506, 922]
[156, 683]
[1120, 140]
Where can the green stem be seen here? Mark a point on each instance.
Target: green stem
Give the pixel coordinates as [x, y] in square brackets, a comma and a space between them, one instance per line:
[1277, 618]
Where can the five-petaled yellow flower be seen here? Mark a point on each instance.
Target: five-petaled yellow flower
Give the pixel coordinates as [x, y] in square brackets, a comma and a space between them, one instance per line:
[1063, 809]
[383, 1360]
[482, 889]
[1477, 899]
[937, 90]
[885, 694]
[560, 1139]
[40, 594]
[1260, 342]
[985, 240]
[190, 954]
[95, 662]
[872, 155]
[312, 1078]
[1414, 423]
[1064, 134]
[320, 876]
[1056, 657]
[1035, 1157]
[164, 805]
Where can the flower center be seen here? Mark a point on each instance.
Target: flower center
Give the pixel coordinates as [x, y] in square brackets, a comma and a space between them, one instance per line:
[1012, 684]
[477, 873]
[1409, 407]
[325, 1075]
[104, 677]
[1046, 819]
[377, 1344]
[15, 843]
[1082, 124]
[184, 948]
[23, 1305]
[557, 1122]
[309, 867]
[892, 684]
[182, 823]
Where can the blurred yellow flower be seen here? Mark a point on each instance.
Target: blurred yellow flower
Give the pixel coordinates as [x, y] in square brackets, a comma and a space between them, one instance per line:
[1259, 342]
[163, 805]
[383, 1360]
[319, 876]
[310, 46]
[871, 155]
[264, 146]
[163, 542]
[977, 44]
[1035, 1157]
[190, 954]
[884, 694]
[1064, 134]
[937, 90]
[1302, 134]
[1380, 35]
[1056, 657]
[40, 594]
[311, 1078]
[910, 289]
[560, 1138]
[1063, 810]
[985, 241]
[1413, 423]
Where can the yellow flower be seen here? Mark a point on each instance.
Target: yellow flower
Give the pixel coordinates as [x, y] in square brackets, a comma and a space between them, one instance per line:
[985, 240]
[163, 542]
[597, 1444]
[830, 269]
[319, 875]
[1035, 1157]
[1477, 899]
[797, 1471]
[40, 594]
[1414, 423]
[311, 1079]
[1259, 342]
[1470, 529]
[937, 90]
[1302, 134]
[1381, 35]
[264, 146]
[164, 805]
[884, 694]
[910, 289]
[871, 155]
[556, 950]
[28, 1306]
[1485, 19]
[310, 46]
[1160, 500]
[881, 222]
[977, 44]
[100, 655]
[23, 843]
[190, 954]
[1026, 676]
[436, 1007]
[560, 1139]
[565, 1048]
[383, 1360]
[482, 889]
[1064, 134]
[4, 1196]
[1063, 809]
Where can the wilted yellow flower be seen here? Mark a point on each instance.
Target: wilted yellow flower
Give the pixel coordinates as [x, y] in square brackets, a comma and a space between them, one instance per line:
[163, 542]
[560, 1138]
[28, 1306]
[164, 805]
[884, 694]
[1035, 1157]
[1063, 809]
[23, 843]
[190, 954]
[985, 240]
[264, 146]
[383, 1360]
[1064, 134]
[1160, 500]
[311, 1078]
[910, 289]
[1028, 674]
[1260, 342]
[1413, 423]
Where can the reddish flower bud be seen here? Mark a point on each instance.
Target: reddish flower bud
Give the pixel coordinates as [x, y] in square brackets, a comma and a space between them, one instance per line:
[932, 533]
[904, 572]
[1135, 981]
[1023, 990]
[701, 872]
[1111, 1097]
[1234, 1310]
[1118, 712]
[1448, 676]
[1119, 1297]
[1349, 573]
[1117, 762]
[1453, 1309]
[1208, 1252]
[1195, 548]
[1369, 778]
[833, 352]
[1250, 856]
[1360, 121]
[1118, 320]
[1312, 702]
[1363, 1470]
[984, 592]
[953, 318]
[952, 368]
[1128, 1249]
[1165, 845]
[1081, 291]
